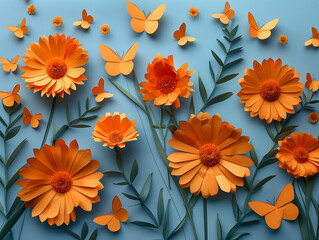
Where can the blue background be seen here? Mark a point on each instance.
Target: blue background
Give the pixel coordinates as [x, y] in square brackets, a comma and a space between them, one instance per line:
[295, 20]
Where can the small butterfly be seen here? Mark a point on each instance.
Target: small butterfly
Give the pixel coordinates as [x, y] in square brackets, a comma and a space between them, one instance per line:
[315, 39]
[99, 92]
[113, 221]
[140, 22]
[283, 209]
[10, 98]
[115, 65]
[19, 31]
[86, 20]
[180, 34]
[228, 14]
[311, 83]
[9, 66]
[263, 32]
[29, 118]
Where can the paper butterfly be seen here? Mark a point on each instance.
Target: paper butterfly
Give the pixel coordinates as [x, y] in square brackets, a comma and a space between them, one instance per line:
[99, 92]
[113, 221]
[9, 66]
[115, 65]
[228, 14]
[263, 32]
[10, 98]
[315, 38]
[86, 20]
[311, 83]
[29, 118]
[283, 208]
[19, 31]
[140, 22]
[180, 34]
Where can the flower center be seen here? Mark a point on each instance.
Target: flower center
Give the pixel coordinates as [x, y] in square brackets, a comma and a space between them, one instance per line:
[270, 90]
[61, 182]
[209, 155]
[301, 155]
[57, 68]
[167, 84]
[115, 136]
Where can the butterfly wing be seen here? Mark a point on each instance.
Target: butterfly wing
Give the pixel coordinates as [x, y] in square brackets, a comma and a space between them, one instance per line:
[23, 27]
[178, 34]
[13, 64]
[35, 120]
[17, 31]
[261, 208]
[127, 64]
[101, 96]
[290, 211]
[6, 64]
[253, 29]
[27, 116]
[264, 32]
[85, 25]
[116, 204]
[273, 219]
[113, 65]
[286, 196]
[78, 23]
[120, 213]
[151, 23]
[103, 220]
[7, 99]
[138, 17]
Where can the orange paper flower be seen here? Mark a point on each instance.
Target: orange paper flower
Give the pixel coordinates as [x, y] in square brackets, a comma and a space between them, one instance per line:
[57, 21]
[193, 12]
[114, 130]
[164, 84]
[311, 83]
[105, 29]
[299, 155]
[99, 92]
[31, 9]
[9, 98]
[29, 118]
[54, 65]
[59, 179]
[313, 117]
[209, 156]
[113, 221]
[270, 90]
[283, 39]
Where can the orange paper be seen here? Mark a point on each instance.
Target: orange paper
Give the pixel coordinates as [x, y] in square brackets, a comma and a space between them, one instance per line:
[99, 92]
[86, 20]
[10, 98]
[9, 66]
[315, 38]
[115, 65]
[311, 83]
[228, 14]
[283, 208]
[180, 34]
[140, 22]
[29, 118]
[263, 32]
[19, 31]
[113, 221]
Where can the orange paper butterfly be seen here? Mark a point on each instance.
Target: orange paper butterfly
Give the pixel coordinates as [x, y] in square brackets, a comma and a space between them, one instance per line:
[263, 32]
[29, 118]
[10, 98]
[86, 20]
[9, 66]
[99, 92]
[140, 22]
[315, 38]
[283, 208]
[113, 221]
[115, 65]
[19, 31]
[180, 34]
[228, 14]
[311, 83]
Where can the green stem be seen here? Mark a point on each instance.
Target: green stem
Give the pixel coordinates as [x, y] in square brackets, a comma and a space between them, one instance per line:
[174, 116]
[205, 217]
[49, 123]
[6, 179]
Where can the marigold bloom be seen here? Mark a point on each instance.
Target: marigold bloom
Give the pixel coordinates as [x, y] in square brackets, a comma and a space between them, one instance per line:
[270, 90]
[209, 156]
[31, 9]
[193, 12]
[313, 117]
[114, 130]
[57, 21]
[105, 29]
[299, 155]
[58, 179]
[9, 98]
[164, 84]
[311, 84]
[283, 39]
[54, 65]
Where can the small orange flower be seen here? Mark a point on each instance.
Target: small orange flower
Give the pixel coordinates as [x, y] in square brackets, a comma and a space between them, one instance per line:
[299, 155]
[193, 12]
[114, 130]
[164, 84]
[31, 9]
[283, 39]
[9, 98]
[57, 21]
[313, 117]
[105, 29]
[311, 83]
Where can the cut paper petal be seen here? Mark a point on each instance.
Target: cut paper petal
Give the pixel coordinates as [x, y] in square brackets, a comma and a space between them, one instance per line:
[9, 66]
[262, 33]
[20, 31]
[180, 35]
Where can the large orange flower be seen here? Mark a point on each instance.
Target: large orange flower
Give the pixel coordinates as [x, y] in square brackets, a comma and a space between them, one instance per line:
[54, 65]
[164, 84]
[299, 155]
[210, 155]
[114, 130]
[59, 179]
[270, 90]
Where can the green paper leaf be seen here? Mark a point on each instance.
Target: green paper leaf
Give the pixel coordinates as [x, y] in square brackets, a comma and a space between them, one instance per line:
[278, 126]
[220, 98]
[178, 227]
[14, 108]
[16, 120]
[309, 96]
[84, 230]
[12, 133]
[263, 182]
[89, 118]
[15, 153]
[233, 32]
[1, 134]
[282, 136]
[236, 39]
[235, 50]
[73, 234]
[227, 78]
[144, 224]
[228, 65]
[12, 220]
[119, 160]
[2, 210]
[270, 134]
[253, 156]
[219, 229]
[94, 235]
[94, 108]
[60, 132]
[236, 209]
[14, 178]
[160, 207]
[202, 89]
[289, 128]
[222, 46]
[146, 188]
[211, 71]
[267, 162]
[121, 183]
[191, 108]
[80, 126]
[134, 171]
[218, 60]
[87, 103]
[3, 122]
[14, 205]
[309, 187]
[132, 197]
[166, 221]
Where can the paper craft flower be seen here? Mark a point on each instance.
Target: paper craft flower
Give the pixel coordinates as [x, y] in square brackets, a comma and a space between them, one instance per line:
[193, 12]
[9, 98]
[299, 155]
[54, 65]
[31, 9]
[114, 130]
[58, 179]
[209, 156]
[311, 84]
[105, 29]
[57, 21]
[283, 39]
[270, 90]
[313, 117]
[164, 84]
